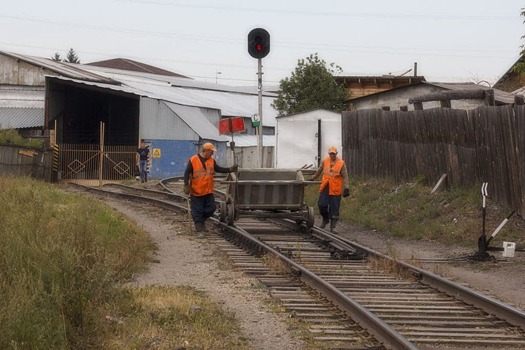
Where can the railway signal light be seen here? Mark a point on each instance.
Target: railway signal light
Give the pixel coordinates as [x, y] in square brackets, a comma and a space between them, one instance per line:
[258, 43]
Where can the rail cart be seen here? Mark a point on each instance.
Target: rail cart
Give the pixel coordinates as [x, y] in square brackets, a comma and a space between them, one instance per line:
[267, 192]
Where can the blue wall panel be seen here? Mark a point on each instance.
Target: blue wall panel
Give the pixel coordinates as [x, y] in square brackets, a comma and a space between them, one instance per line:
[174, 155]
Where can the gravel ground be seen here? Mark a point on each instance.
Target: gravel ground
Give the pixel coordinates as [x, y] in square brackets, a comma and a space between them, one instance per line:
[184, 259]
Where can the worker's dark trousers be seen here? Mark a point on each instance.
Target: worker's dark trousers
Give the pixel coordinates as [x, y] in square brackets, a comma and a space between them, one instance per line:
[329, 205]
[202, 207]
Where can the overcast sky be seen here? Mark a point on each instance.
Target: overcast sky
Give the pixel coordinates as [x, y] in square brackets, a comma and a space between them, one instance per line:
[451, 40]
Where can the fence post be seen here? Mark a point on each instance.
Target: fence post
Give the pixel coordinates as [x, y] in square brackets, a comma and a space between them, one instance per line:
[489, 97]
[101, 160]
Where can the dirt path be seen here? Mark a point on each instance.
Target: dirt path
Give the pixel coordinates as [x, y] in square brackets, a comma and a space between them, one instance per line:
[184, 259]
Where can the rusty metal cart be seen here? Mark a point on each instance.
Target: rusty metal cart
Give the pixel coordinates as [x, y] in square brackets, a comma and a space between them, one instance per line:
[267, 192]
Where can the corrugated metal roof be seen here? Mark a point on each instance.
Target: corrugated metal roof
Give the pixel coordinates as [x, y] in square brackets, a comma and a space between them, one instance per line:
[70, 70]
[197, 121]
[20, 118]
[125, 75]
[130, 65]
[229, 103]
[121, 88]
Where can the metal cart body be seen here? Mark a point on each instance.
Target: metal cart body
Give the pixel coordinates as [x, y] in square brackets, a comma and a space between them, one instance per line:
[266, 192]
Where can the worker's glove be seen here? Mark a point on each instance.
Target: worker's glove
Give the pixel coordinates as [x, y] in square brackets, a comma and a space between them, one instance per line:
[187, 189]
[346, 192]
[234, 168]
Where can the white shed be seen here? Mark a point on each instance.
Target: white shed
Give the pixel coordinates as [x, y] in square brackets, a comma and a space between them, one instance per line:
[304, 138]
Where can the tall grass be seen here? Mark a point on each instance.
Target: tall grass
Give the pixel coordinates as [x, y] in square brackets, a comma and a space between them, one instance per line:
[60, 256]
[409, 210]
[62, 260]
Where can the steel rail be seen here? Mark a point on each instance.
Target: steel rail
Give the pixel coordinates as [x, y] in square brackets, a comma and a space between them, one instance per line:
[492, 306]
[374, 325]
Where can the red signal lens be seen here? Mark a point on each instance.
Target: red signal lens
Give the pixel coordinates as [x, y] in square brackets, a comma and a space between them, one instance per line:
[258, 43]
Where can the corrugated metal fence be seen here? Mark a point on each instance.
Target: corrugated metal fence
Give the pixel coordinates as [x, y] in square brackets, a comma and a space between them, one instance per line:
[15, 160]
[486, 144]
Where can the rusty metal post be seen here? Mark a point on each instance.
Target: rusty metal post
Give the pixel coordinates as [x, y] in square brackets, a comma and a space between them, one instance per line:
[101, 156]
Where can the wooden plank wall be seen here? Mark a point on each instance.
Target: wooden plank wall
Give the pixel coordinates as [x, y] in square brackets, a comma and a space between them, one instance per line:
[486, 144]
[16, 160]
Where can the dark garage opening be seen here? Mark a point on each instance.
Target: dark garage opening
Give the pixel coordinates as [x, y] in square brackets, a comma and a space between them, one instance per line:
[78, 108]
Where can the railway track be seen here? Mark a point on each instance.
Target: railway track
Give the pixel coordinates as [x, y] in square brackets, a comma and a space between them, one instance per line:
[351, 297]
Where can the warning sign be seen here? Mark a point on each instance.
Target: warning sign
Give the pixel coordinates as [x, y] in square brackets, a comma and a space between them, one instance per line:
[231, 125]
[156, 153]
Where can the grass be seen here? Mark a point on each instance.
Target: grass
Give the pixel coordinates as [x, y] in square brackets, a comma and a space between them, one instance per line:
[164, 317]
[64, 259]
[409, 210]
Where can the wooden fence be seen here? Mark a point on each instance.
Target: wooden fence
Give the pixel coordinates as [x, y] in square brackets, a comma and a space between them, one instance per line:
[16, 160]
[486, 144]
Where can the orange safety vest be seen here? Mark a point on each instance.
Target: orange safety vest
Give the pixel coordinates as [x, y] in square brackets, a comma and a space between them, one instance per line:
[332, 177]
[202, 178]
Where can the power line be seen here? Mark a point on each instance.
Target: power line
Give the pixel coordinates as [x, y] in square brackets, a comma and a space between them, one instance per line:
[309, 45]
[401, 16]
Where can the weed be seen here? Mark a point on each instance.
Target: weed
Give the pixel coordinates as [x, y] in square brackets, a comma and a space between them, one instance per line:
[409, 210]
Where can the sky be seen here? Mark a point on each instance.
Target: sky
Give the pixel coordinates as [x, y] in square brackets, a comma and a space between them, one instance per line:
[450, 40]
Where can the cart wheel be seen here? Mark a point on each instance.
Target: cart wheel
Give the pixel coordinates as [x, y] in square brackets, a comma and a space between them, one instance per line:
[310, 220]
[231, 214]
[222, 213]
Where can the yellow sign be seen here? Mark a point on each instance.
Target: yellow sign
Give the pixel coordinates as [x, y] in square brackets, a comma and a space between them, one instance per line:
[156, 153]
[27, 152]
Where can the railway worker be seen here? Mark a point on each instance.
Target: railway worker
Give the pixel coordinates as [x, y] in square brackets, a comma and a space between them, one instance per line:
[334, 184]
[198, 183]
[142, 161]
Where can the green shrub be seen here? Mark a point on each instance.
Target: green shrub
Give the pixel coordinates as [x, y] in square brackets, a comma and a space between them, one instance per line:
[11, 136]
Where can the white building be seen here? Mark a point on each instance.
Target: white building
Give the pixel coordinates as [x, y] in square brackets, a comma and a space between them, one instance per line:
[304, 138]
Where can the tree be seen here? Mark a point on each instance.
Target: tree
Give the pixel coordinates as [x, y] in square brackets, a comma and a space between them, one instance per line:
[311, 86]
[520, 66]
[72, 57]
[57, 57]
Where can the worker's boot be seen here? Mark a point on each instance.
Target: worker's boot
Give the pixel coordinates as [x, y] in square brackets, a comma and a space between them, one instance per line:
[324, 223]
[199, 227]
[333, 224]
[204, 228]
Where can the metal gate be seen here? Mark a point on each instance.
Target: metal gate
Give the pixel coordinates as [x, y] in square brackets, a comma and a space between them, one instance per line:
[94, 164]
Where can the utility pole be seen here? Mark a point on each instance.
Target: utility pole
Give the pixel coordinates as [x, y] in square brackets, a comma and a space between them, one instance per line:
[260, 148]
